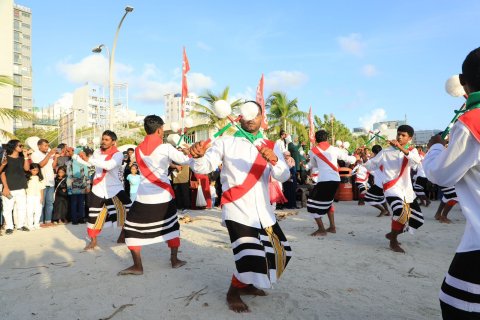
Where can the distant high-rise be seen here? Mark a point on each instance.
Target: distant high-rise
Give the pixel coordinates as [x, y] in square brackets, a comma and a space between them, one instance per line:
[22, 62]
[6, 61]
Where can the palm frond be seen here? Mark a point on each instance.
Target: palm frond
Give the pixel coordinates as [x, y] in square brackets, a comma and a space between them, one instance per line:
[6, 113]
[8, 81]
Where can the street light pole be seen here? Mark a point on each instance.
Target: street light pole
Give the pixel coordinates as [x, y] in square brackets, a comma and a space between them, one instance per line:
[111, 59]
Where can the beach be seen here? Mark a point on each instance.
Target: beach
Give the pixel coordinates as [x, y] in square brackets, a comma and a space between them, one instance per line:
[45, 274]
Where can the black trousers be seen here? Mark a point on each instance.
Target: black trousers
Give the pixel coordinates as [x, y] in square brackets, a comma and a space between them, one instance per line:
[182, 195]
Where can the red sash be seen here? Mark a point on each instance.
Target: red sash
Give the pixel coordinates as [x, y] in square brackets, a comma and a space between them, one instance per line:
[471, 120]
[256, 171]
[110, 152]
[391, 183]
[319, 154]
[149, 144]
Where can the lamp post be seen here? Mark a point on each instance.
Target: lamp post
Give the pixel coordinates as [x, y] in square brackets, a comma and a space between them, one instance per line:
[111, 59]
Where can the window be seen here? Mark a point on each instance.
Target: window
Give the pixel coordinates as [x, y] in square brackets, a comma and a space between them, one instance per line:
[26, 36]
[25, 25]
[26, 14]
[17, 47]
[16, 24]
[16, 36]
[17, 79]
[17, 58]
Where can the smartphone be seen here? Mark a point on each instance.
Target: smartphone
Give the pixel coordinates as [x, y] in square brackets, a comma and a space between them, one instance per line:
[4, 155]
[9, 197]
[59, 150]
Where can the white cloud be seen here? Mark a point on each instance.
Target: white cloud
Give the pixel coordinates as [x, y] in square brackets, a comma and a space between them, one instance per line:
[202, 45]
[65, 102]
[284, 80]
[352, 44]
[93, 68]
[248, 94]
[198, 82]
[374, 116]
[369, 70]
[154, 90]
[148, 85]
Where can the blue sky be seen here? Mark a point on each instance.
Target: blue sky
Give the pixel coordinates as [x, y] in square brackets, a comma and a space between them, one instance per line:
[360, 60]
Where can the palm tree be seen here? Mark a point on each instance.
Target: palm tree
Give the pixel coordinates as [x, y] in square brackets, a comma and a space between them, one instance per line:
[284, 114]
[7, 113]
[205, 112]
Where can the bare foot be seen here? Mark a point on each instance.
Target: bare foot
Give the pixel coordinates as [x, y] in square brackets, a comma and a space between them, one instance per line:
[437, 217]
[319, 233]
[332, 229]
[91, 245]
[251, 290]
[235, 303]
[428, 203]
[177, 263]
[133, 270]
[395, 246]
[361, 202]
[389, 237]
[387, 214]
[444, 220]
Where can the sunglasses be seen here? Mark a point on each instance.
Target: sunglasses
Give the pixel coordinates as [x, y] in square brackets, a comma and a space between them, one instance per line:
[19, 145]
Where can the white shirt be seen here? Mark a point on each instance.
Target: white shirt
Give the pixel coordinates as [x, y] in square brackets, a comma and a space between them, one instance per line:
[35, 186]
[391, 159]
[325, 172]
[282, 145]
[47, 170]
[158, 162]
[361, 174]
[237, 155]
[459, 165]
[111, 184]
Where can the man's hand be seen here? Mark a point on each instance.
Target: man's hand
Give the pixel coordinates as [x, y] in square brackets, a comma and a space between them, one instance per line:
[436, 139]
[6, 192]
[395, 143]
[268, 154]
[52, 151]
[198, 149]
[83, 156]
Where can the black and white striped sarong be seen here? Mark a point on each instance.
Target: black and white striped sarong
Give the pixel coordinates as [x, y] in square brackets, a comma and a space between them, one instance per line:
[151, 223]
[361, 187]
[375, 196]
[415, 220]
[460, 292]
[321, 198]
[449, 194]
[260, 258]
[103, 212]
[420, 185]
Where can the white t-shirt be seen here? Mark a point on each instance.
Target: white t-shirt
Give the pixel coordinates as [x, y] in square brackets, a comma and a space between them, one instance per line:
[47, 170]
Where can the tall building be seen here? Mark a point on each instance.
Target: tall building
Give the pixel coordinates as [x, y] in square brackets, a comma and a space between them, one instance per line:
[22, 62]
[389, 128]
[6, 61]
[421, 137]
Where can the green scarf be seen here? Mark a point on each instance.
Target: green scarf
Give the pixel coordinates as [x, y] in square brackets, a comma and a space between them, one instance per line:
[473, 101]
[250, 136]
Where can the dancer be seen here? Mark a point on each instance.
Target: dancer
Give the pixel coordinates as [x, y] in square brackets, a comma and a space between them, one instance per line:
[323, 159]
[397, 161]
[107, 201]
[448, 201]
[260, 248]
[459, 166]
[153, 215]
[375, 196]
[361, 181]
[420, 181]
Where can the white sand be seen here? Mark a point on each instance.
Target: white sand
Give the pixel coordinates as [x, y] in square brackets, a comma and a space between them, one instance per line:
[350, 275]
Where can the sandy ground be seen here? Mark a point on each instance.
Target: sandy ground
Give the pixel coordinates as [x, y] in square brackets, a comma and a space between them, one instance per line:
[45, 274]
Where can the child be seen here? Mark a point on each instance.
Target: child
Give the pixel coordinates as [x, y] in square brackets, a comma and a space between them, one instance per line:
[60, 203]
[34, 196]
[134, 180]
[213, 192]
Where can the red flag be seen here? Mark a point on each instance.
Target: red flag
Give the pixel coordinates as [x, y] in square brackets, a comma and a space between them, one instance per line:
[185, 69]
[311, 131]
[261, 102]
